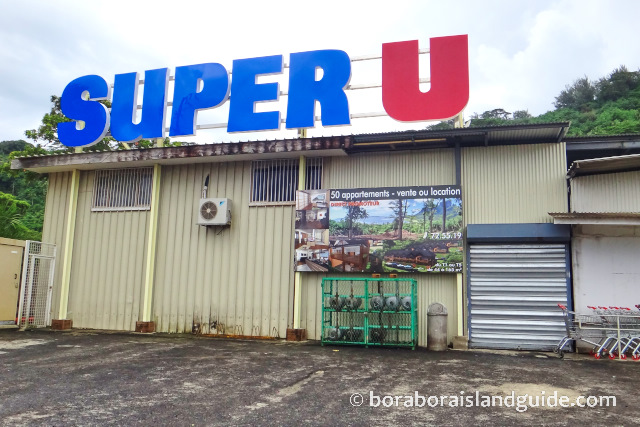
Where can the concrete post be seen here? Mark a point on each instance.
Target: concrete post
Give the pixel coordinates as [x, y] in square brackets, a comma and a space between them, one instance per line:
[437, 327]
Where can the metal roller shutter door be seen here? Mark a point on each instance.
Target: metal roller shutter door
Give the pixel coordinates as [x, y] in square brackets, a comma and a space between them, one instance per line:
[514, 291]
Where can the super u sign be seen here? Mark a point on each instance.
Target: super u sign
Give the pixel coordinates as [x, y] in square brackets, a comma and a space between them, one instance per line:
[205, 86]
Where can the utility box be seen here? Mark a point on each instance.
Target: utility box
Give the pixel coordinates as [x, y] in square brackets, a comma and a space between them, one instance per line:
[437, 327]
[11, 254]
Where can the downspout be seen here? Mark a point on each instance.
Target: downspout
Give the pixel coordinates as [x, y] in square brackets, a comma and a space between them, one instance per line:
[146, 324]
[67, 254]
[297, 278]
[296, 333]
[459, 277]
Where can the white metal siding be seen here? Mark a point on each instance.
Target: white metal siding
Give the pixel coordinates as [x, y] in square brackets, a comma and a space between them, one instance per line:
[514, 296]
[616, 192]
[606, 271]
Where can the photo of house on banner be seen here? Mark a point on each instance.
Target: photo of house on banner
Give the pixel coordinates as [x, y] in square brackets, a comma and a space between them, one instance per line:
[312, 210]
[312, 250]
[396, 229]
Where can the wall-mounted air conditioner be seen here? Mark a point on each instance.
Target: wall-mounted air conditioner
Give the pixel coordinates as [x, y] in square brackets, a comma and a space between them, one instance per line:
[214, 212]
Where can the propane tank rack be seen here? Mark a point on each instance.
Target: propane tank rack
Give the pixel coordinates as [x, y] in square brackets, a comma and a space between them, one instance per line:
[370, 312]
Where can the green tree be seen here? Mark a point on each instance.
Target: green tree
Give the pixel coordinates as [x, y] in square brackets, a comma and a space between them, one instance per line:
[617, 85]
[7, 147]
[399, 208]
[429, 207]
[444, 215]
[521, 115]
[24, 185]
[609, 106]
[448, 124]
[11, 212]
[354, 213]
[47, 133]
[579, 96]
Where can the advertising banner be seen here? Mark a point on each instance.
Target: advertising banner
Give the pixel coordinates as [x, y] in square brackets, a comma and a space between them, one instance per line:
[413, 229]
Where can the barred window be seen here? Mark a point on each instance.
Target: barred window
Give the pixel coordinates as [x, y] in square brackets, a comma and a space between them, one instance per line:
[122, 189]
[276, 181]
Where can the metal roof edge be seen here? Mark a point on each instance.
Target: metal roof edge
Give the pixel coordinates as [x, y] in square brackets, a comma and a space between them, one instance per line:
[602, 165]
[596, 218]
[527, 232]
[319, 146]
[590, 138]
[452, 133]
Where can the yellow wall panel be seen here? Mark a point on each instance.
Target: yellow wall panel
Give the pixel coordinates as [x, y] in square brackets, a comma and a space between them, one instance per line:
[234, 280]
[513, 184]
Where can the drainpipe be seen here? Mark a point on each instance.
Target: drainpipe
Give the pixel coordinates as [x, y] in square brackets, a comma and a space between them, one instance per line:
[146, 324]
[459, 341]
[62, 323]
[297, 333]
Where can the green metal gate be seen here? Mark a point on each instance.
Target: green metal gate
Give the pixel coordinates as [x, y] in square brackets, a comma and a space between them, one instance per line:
[379, 312]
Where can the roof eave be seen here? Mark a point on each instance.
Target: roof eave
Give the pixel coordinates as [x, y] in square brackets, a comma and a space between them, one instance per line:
[595, 218]
[603, 165]
[228, 152]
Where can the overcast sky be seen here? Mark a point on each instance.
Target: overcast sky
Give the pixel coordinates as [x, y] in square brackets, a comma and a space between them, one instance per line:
[521, 53]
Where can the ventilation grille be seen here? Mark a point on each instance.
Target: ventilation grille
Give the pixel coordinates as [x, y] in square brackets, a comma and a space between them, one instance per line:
[208, 210]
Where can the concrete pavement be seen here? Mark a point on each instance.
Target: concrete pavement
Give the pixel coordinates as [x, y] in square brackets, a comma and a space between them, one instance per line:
[102, 378]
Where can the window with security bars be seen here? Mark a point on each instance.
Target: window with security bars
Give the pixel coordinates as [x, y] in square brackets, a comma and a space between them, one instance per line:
[275, 182]
[122, 189]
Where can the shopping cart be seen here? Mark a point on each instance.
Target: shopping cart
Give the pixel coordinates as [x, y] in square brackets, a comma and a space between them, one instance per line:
[584, 328]
[623, 324]
[612, 331]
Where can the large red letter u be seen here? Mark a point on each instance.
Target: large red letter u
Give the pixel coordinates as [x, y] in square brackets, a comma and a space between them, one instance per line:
[449, 93]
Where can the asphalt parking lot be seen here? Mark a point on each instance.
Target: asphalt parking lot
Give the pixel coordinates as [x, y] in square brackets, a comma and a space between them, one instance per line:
[98, 378]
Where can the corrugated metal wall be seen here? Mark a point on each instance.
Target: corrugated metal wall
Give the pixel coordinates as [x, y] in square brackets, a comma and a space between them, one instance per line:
[107, 270]
[54, 227]
[236, 280]
[513, 184]
[616, 192]
[510, 184]
[239, 280]
[389, 169]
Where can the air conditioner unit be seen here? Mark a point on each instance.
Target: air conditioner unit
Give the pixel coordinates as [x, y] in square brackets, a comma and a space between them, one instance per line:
[214, 212]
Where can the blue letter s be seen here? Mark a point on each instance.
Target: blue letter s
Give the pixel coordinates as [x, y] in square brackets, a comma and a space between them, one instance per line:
[79, 102]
